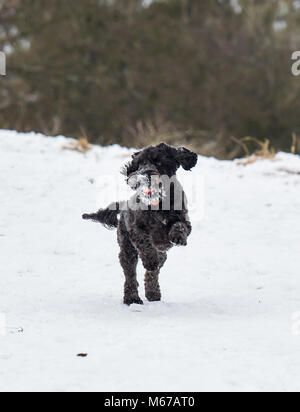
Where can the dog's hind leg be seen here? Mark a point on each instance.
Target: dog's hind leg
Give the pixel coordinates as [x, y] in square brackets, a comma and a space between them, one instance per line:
[152, 288]
[129, 259]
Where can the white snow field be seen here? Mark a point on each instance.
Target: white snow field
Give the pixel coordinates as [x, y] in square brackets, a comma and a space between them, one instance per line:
[229, 319]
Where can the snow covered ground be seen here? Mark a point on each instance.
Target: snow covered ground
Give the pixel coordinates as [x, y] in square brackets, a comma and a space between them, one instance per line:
[231, 323]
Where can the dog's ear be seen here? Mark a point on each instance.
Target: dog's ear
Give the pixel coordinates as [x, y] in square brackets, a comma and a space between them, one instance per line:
[135, 154]
[186, 158]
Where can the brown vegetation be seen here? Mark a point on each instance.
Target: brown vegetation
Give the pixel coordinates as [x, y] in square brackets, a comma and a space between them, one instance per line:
[184, 71]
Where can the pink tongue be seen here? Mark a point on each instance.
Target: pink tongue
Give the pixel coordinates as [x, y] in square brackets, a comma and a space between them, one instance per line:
[147, 191]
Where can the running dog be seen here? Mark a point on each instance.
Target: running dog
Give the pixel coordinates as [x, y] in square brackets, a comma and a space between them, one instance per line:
[154, 220]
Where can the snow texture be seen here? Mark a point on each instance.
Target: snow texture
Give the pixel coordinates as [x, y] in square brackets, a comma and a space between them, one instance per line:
[230, 323]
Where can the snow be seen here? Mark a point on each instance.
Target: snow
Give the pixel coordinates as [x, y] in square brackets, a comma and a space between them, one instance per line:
[231, 301]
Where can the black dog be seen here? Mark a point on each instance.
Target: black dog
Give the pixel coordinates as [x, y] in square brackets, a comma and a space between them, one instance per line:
[154, 219]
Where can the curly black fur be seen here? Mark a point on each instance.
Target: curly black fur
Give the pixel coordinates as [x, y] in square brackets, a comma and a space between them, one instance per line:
[166, 159]
[148, 233]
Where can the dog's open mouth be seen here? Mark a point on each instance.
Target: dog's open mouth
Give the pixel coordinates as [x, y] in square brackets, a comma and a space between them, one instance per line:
[149, 188]
[150, 196]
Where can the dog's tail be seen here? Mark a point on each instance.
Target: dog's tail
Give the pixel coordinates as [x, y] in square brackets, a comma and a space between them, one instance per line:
[107, 217]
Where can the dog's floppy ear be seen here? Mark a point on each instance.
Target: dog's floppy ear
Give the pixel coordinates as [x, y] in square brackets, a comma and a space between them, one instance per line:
[186, 158]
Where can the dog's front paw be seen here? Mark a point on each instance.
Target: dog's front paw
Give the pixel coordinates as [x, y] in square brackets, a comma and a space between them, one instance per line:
[131, 300]
[178, 235]
[153, 296]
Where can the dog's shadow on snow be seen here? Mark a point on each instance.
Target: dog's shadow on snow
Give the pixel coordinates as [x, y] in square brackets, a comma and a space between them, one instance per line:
[113, 309]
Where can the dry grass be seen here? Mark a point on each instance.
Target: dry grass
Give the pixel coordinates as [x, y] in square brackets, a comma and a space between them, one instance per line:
[250, 148]
[156, 131]
[264, 151]
[81, 145]
[294, 144]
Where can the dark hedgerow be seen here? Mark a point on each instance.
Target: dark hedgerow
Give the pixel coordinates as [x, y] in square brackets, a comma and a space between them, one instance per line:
[198, 73]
